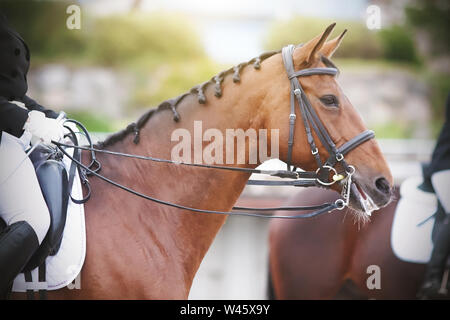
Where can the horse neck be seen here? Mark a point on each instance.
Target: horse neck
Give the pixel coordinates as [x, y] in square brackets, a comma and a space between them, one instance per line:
[191, 234]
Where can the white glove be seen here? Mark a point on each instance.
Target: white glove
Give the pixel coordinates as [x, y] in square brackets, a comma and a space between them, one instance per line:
[43, 129]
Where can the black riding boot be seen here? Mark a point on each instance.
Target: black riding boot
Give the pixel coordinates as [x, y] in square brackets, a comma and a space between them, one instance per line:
[18, 242]
[436, 265]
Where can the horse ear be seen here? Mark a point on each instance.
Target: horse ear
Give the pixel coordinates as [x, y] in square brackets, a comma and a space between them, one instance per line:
[330, 46]
[311, 49]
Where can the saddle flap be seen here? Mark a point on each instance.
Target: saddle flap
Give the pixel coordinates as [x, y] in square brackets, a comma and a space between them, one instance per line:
[53, 180]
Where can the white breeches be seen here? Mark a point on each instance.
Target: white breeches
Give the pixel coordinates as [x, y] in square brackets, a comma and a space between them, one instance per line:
[21, 198]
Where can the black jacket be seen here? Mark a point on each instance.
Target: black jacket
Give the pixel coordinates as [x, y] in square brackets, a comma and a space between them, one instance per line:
[440, 159]
[14, 65]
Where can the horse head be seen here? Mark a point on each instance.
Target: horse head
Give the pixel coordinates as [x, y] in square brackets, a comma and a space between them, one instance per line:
[372, 181]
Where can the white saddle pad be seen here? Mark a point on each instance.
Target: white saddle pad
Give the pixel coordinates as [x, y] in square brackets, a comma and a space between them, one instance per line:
[410, 242]
[65, 266]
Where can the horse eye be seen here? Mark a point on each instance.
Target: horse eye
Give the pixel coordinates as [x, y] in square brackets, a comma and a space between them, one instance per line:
[330, 100]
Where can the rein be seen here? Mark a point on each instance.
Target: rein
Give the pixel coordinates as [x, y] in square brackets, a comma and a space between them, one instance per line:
[320, 209]
[311, 121]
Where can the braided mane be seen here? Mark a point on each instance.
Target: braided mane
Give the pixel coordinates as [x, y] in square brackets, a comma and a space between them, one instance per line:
[172, 104]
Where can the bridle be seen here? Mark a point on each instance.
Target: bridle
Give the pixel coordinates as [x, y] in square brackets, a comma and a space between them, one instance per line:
[311, 121]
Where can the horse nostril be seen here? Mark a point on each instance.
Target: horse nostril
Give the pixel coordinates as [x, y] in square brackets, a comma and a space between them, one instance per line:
[383, 185]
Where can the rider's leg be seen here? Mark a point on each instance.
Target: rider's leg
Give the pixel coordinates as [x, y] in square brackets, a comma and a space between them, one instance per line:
[22, 207]
[436, 265]
[18, 242]
[441, 250]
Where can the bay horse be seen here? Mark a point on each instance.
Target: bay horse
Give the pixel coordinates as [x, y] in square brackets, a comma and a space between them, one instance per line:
[137, 249]
[328, 258]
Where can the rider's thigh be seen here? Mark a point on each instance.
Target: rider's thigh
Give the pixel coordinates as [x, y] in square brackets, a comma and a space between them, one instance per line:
[21, 198]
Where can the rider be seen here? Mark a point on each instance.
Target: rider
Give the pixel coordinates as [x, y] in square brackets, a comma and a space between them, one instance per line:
[22, 206]
[438, 173]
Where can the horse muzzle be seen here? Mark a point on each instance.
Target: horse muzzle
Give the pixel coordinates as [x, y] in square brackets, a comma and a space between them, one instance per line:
[368, 195]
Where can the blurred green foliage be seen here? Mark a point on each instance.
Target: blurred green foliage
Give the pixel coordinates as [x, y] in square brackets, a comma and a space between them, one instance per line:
[93, 121]
[160, 51]
[439, 91]
[133, 39]
[393, 130]
[433, 17]
[42, 24]
[398, 44]
[395, 43]
[171, 80]
[359, 41]
[144, 39]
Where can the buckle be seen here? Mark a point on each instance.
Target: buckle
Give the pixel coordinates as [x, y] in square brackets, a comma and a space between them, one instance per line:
[292, 116]
[297, 92]
[339, 156]
[315, 151]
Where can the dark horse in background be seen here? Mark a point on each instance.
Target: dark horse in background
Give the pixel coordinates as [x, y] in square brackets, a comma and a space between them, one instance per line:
[328, 257]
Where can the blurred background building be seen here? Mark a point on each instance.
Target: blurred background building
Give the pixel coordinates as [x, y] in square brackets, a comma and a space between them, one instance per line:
[130, 55]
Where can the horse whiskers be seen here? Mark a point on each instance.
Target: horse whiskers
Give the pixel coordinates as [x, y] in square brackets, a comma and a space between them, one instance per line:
[359, 217]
